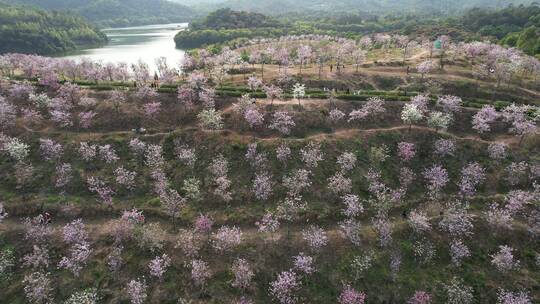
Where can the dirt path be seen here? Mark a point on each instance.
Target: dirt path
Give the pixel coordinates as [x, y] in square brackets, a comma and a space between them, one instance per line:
[99, 229]
[341, 133]
[312, 102]
[355, 132]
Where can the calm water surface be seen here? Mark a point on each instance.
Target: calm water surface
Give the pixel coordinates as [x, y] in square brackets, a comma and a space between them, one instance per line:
[131, 44]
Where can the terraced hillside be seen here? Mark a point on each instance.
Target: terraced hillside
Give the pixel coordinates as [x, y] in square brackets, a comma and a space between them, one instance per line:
[277, 180]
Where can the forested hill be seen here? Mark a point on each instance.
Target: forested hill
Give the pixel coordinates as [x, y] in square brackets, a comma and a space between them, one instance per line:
[229, 19]
[516, 26]
[116, 13]
[226, 25]
[31, 30]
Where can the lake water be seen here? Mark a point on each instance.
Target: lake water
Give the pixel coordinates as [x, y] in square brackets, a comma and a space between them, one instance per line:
[131, 44]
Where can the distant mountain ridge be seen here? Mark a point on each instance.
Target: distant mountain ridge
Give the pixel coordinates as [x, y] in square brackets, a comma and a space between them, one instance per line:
[285, 6]
[118, 12]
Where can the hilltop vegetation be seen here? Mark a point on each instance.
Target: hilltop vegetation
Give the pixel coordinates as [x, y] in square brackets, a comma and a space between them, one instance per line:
[229, 19]
[116, 13]
[225, 25]
[29, 30]
[513, 26]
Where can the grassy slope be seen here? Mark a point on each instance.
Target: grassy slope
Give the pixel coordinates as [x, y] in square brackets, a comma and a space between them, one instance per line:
[324, 208]
[324, 286]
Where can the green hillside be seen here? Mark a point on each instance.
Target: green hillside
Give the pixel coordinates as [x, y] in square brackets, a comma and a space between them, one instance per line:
[29, 30]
